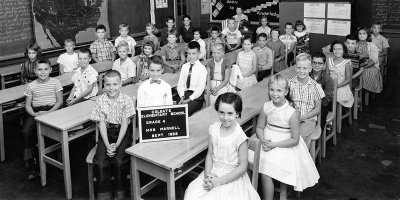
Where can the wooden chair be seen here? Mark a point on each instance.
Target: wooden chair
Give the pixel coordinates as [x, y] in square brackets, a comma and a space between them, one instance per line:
[339, 111]
[92, 152]
[315, 147]
[383, 66]
[357, 92]
[254, 159]
[330, 118]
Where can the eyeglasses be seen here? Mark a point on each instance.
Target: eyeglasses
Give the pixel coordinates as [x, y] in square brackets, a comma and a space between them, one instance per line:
[318, 63]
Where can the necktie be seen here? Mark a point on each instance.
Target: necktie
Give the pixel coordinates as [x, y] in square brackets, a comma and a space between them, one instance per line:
[189, 76]
[155, 81]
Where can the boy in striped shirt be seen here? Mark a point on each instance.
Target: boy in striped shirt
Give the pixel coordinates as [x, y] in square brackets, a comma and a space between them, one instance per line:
[43, 95]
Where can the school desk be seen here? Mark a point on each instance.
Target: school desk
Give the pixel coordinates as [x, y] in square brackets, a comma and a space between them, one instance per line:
[170, 160]
[57, 125]
[7, 71]
[15, 93]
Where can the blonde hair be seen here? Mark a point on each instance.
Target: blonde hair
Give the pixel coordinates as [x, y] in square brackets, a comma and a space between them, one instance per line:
[155, 30]
[218, 46]
[123, 44]
[304, 57]
[279, 80]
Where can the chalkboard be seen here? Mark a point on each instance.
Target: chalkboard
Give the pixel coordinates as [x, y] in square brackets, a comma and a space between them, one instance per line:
[387, 13]
[15, 27]
[163, 123]
[223, 9]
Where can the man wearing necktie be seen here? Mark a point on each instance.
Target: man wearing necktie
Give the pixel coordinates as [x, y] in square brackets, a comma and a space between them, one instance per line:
[192, 80]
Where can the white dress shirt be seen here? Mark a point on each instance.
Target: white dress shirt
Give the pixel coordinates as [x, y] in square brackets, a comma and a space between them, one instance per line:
[127, 69]
[154, 94]
[198, 80]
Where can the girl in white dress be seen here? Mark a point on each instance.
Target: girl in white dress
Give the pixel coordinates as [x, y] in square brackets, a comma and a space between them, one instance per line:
[225, 174]
[341, 69]
[284, 156]
[247, 62]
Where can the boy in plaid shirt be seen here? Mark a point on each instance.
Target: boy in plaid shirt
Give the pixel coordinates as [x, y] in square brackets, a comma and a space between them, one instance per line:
[102, 49]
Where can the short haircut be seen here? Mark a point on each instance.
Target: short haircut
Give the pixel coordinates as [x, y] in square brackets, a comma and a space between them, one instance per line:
[239, 6]
[341, 43]
[197, 29]
[194, 45]
[187, 16]
[288, 23]
[264, 35]
[350, 37]
[123, 25]
[69, 41]
[33, 47]
[247, 38]
[230, 98]
[170, 18]
[155, 30]
[215, 29]
[364, 28]
[123, 44]
[318, 54]
[303, 57]
[172, 32]
[219, 46]
[156, 59]
[86, 50]
[101, 26]
[275, 29]
[264, 17]
[299, 22]
[43, 61]
[113, 73]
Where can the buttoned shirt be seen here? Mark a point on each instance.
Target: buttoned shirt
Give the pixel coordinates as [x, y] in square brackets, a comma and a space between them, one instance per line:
[380, 41]
[127, 69]
[113, 111]
[172, 52]
[187, 34]
[131, 43]
[305, 95]
[103, 50]
[198, 80]
[265, 58]
[154, 94]
[232, 36]
[82, 80]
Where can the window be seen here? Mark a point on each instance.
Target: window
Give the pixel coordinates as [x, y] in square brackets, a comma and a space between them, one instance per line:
[181, 4]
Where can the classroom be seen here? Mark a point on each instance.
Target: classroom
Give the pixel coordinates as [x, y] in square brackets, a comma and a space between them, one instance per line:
[199, 99]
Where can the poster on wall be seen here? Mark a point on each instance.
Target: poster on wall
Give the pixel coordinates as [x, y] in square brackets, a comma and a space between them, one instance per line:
[315, 10]
[339, 10]
[161, 3]
[338, 27]
[315, 25]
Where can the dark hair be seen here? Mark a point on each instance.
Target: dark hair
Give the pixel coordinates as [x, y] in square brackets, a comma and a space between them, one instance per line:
[156, 59]
[230, 98]
[264, 35]
[34, 47]
[263, 17]
[186, 16]
[369, 39]
[351, 37]
[239, 6]
[318, 54]
[197, 29]
[275, 29]
[170, 18]
[341, 43]
[288, 23]
[150, 44]
[248, 37]
[113, 73]
[43, 61]
[299, 22]
[123, 25]
[194, 45]
[101, 26]
[86, 50]
[215, 29]
[69, 41]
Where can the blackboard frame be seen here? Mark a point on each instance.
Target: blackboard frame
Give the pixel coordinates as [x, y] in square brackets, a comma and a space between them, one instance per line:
[186, 122]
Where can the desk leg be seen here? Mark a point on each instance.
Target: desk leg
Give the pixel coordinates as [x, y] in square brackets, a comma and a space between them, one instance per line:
[171, 185]
[135, 180]
[2, 153]
[2, 82]
[66, 164]
[41, 145]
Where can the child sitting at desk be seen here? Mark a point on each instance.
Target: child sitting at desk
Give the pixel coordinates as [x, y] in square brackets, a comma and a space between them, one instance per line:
[141, 60]
[124, 65]
[306, 94]
[102, 49]
[84, 79]
[32, 52]
[112, 111]
[154, 91]
[173, 53]
[215, 39]
[68, 61]
[233, 35]
[192, 80]
[43, 95]
[225, 174]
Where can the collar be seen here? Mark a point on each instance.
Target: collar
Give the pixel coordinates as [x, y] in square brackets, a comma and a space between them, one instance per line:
[259, 48]
[195, 63]
[296, 80]
[215, 62]
[105, 40]
[173, 46]
[118, 100]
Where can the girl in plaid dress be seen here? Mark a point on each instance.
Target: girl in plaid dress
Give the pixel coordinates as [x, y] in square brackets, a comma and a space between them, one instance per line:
[247, 62]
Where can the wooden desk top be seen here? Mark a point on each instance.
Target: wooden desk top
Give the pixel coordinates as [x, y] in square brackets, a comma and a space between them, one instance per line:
[17, 92]
[78, 114]
[12, 69]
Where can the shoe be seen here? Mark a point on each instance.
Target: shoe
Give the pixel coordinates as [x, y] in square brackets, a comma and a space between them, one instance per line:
[120, 195]
[32, 174]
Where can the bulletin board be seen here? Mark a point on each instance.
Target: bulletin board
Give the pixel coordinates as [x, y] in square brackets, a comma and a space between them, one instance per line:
[291, 11]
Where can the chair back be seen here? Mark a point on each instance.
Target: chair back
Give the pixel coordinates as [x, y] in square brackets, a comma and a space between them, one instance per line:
[334, 98]
[273, 62]
[254, 158]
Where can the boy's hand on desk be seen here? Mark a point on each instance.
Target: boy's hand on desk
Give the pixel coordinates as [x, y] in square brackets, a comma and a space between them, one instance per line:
[186, 101]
